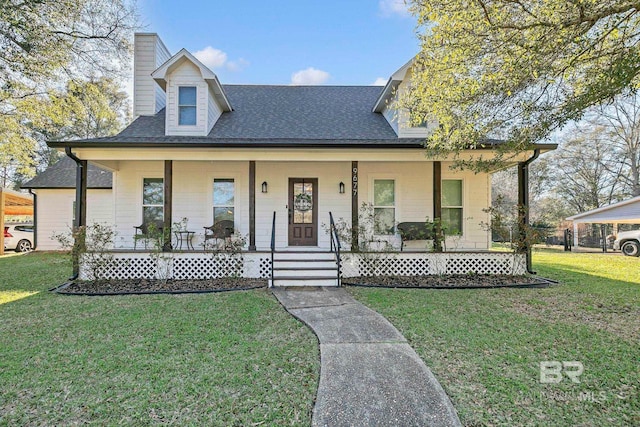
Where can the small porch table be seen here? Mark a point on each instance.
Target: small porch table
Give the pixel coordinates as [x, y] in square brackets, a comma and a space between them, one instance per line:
[184, 236]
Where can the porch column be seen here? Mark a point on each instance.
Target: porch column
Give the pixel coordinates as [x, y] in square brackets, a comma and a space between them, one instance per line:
[81, 194]
[168, 203]
[354, 206]
[437, 206]
[575, 235]
[252, 205]
[523, 207]
[81, 212]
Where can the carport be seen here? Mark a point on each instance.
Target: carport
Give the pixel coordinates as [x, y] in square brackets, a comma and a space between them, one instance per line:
[13, 203]
[625, 212]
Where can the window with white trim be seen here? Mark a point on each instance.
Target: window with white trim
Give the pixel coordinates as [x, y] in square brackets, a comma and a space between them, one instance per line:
[223, 200]
[187, 105]
[452, 206]
[384, 206]
[152, 200]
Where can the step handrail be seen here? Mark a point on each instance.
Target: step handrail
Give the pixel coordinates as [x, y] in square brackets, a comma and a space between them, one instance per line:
[273, 243]
[335, 243]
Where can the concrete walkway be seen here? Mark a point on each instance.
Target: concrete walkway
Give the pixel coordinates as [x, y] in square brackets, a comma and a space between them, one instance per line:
[369, 375]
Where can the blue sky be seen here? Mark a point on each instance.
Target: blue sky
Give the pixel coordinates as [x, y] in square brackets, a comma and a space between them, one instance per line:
[349, 42]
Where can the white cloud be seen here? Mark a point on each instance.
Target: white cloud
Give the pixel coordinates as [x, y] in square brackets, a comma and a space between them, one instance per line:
[393, 7]
[237, 65]
[380, 81]
[310, 76]
[216, 59]
[211, 57]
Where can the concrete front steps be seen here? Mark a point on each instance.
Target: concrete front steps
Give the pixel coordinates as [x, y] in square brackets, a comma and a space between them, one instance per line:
[304, 268]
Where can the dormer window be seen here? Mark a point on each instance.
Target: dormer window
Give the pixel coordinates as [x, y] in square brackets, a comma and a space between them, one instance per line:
[187, 105]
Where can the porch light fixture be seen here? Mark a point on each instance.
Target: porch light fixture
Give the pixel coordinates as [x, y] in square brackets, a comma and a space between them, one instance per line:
[264, 186]
[341, 185]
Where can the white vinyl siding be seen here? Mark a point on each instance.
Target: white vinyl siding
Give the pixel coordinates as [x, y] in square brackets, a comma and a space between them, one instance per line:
[149, 54]
[187, 74]
[193, 192]
[214, 112]
[55, 213]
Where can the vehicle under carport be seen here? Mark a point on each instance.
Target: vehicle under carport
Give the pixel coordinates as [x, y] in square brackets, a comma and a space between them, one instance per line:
[13, 203]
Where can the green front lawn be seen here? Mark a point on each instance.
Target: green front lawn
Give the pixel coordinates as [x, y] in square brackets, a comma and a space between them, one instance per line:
[485, 345]
[232, 358]
[238, 358]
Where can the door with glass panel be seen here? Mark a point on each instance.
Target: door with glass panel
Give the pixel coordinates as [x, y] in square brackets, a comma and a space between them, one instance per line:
[303, 211]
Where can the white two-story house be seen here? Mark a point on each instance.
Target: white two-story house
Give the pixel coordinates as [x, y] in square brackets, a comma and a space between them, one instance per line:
[210, 152]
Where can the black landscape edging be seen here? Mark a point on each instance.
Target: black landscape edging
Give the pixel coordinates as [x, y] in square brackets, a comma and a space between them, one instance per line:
[106, 294]
[59, 287]
[544, 284]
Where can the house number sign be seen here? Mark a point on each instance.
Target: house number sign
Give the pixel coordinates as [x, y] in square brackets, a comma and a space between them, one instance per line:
[354, 180]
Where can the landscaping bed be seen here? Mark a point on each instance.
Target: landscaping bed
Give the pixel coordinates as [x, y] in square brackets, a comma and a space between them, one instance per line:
[450, 281]
[153, 286]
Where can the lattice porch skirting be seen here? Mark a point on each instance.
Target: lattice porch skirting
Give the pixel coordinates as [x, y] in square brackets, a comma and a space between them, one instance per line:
[183, 265]
[421, 263]
[194, 265]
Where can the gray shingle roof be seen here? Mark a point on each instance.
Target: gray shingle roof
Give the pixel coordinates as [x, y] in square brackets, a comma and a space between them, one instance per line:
[273, 115]
[304, 112]
[62, 174]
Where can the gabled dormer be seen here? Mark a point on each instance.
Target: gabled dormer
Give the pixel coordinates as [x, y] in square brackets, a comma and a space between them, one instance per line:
[194, 96]
[399, 118]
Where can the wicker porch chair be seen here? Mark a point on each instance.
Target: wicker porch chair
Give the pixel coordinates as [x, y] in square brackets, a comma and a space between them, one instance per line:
[220, 230]
[144, 230]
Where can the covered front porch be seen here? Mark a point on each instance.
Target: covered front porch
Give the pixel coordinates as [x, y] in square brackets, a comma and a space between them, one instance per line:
[193, 194]
[282, 206]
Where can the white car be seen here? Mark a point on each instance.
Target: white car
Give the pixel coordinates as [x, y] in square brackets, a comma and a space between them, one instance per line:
[628, 242]
[18, 237]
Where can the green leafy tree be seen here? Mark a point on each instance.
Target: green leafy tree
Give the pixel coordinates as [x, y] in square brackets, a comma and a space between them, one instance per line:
[84, 109]
[518, 69]
[43, 45]
[89, 109]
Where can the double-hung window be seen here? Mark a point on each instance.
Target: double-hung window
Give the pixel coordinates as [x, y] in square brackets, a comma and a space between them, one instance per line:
[152, 200]
[452, 206]
[384, 206]
[187, 105]
[223, 200]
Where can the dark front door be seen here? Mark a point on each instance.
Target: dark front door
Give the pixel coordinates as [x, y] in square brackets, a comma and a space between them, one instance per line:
[303, 211]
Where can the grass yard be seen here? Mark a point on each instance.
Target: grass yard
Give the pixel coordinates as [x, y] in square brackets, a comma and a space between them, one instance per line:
[232, 358]
[485, 345]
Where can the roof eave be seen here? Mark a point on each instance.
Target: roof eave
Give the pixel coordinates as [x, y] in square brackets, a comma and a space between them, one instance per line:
[49, 187]
[386, 93]
[603, 209]
[215, 144]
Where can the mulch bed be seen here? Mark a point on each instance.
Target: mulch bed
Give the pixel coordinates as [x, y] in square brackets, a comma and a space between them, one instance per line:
[176, 286]
[152, 286]
[451, 281]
